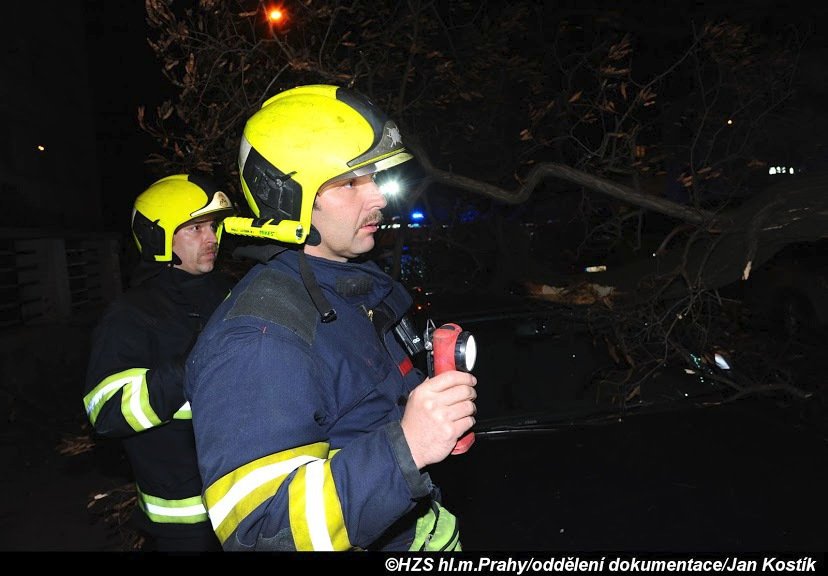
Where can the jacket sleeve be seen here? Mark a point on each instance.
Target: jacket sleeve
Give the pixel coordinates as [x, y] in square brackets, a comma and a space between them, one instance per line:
[261, 408]
[130, 385]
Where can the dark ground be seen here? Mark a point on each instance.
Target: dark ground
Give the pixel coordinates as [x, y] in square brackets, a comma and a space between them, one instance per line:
[746, 476]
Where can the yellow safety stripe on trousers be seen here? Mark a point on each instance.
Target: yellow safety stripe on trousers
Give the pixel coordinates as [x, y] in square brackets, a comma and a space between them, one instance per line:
[316, 519]
[436, 531]
[235, 495]
[185, 511]
[135, 405]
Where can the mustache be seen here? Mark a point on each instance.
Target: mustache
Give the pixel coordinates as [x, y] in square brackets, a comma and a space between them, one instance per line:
[374, 218]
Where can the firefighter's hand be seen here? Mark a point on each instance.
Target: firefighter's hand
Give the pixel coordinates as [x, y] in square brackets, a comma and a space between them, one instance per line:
[437, 413]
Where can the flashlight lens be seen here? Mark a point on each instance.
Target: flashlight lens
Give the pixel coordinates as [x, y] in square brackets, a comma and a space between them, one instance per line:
[469, 353]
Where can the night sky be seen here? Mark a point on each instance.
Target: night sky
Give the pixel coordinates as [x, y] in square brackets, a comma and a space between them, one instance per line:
[124, 74]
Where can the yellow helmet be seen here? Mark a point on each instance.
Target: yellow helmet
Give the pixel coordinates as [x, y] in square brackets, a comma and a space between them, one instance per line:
[300, 140]
[167, 204]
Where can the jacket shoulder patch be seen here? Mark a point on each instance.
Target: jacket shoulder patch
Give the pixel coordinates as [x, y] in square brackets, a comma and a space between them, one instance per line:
[276, 297]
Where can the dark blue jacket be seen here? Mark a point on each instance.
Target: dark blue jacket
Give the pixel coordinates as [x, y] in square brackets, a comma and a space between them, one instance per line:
[297, 422]
[134, 392]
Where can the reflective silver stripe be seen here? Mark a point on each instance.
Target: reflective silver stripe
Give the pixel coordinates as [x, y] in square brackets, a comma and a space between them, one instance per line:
[135, 405]
[182, 511]
[315, 506]
[174, 511]
[250, 482]
[114, 385]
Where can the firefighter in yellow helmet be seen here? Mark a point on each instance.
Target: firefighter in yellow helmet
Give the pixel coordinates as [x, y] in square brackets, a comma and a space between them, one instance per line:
[134, 385]
[314, 429]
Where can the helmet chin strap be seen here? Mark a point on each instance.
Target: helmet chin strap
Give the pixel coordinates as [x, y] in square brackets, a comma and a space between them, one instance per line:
[321, 303]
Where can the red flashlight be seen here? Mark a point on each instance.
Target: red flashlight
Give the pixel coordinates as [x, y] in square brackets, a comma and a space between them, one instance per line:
[451, 348]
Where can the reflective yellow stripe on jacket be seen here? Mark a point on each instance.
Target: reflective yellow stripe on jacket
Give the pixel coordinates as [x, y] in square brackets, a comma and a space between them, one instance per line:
[437, 531]
[316, 520]
[184, 413]
[135, 404]
[184, 511]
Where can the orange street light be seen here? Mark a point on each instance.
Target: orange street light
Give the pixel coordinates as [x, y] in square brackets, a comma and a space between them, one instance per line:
[276, 15]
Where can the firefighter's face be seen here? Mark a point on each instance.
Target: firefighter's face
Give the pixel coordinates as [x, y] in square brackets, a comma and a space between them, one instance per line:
[347, 214]
[196, 245]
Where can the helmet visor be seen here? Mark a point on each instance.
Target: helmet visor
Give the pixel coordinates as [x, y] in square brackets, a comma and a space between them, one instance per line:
[386, 153]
